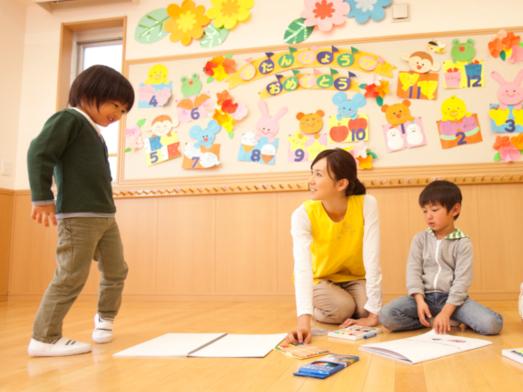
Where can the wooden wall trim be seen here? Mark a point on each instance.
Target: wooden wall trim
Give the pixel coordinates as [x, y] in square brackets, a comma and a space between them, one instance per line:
[474, 174]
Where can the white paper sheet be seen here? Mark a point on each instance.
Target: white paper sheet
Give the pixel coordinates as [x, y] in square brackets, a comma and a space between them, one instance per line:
[212, 345]
[169, 345]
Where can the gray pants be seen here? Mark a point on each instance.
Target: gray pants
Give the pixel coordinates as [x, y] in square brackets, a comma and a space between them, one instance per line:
[80, 240]
[335, 302]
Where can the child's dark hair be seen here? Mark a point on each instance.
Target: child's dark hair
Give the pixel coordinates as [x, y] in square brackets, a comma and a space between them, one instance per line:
[341, 164]
[99, 84]
[441, 192]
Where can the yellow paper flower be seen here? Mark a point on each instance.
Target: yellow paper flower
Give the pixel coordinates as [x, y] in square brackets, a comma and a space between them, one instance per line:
[186, 22]
[228, 13]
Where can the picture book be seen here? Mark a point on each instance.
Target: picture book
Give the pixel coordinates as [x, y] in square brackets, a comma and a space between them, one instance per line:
[354, 332]
[301, 351]
[326, 366]
[210, 345]
[516, 354]
[424, 347]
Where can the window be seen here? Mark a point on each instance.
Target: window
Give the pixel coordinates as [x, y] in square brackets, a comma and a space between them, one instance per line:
[106, 52]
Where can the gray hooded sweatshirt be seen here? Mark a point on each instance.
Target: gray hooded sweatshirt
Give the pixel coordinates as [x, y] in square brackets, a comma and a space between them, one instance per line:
[443, 266]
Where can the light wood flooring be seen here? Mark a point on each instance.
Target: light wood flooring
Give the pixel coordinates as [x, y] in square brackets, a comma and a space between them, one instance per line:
[478, 370]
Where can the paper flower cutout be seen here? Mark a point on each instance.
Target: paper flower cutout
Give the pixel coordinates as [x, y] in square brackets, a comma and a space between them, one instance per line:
[186, 22]
[506, 151]
[219, 67]
[363, 10]
[506, 46]
[325, 13]
[228, 13]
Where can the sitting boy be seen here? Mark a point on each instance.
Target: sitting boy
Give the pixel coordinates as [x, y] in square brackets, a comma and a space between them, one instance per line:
[439, 272]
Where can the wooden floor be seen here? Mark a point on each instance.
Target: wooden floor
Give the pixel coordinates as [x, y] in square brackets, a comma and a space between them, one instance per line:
[479, 370]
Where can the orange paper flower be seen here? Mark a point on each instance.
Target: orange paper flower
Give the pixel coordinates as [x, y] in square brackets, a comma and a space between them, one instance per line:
[186, 22]
[510, 40]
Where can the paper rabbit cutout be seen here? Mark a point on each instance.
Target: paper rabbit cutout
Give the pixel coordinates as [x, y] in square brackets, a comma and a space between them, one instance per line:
[268, 126]
[509, 93]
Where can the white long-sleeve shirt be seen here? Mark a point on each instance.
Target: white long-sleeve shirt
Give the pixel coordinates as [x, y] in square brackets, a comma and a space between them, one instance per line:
[301, 232]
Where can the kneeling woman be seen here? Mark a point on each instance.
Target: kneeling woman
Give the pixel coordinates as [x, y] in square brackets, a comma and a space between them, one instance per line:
[336, 244]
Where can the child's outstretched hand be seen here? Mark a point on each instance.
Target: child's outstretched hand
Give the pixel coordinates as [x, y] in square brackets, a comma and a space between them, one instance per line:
[441, 323]
[44, 213]
[303, 333]
[423, 310]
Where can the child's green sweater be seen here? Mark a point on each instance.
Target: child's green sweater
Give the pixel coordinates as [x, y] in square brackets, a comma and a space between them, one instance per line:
[72, 148]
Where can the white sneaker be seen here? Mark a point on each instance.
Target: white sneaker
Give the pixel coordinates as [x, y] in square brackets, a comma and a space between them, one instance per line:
[103, 329]
[60, 348]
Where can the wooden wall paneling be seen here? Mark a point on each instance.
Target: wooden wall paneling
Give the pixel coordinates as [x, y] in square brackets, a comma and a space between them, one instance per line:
[33, 251]
[138, 223]
[499, 243]
[246, 241]
[186, 246]
[287, 203]
[468, 221]
[395, 213]
[6, 219]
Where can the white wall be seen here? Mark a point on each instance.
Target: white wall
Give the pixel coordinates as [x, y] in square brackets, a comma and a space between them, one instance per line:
[12, 22]
[269, 20]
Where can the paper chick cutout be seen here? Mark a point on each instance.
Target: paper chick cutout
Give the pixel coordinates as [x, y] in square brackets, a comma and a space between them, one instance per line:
[457, 126]
[156, 90]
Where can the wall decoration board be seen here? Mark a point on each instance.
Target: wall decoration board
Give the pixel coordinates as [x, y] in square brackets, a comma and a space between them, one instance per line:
[269, 111]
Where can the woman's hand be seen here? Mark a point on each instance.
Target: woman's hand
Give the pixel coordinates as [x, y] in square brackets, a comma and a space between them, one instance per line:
[370, 321]
[303, 333]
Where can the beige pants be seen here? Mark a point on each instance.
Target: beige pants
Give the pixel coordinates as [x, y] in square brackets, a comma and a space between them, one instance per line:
[79, 241]
[335, 302]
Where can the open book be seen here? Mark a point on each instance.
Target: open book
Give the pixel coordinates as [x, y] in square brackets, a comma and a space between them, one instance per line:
[212, 345]
[424, 347]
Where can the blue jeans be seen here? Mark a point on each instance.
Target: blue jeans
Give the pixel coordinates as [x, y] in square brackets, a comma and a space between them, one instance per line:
[402, 314]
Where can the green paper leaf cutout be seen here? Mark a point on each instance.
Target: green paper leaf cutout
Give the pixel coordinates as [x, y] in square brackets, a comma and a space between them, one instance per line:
[379, 100]
[503, 55]
[297, 31]
[497, 157]
[141, 122]
[150, 27]
[213, 36]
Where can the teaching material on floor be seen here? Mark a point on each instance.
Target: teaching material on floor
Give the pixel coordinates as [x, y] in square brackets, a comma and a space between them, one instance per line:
[516, 354]
[326, 366]
[354, 332]
[210, 345]
[301, 351]
[424, 347]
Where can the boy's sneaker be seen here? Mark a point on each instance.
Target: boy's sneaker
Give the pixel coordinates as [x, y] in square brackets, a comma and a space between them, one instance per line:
[103, 329]
[60, 348]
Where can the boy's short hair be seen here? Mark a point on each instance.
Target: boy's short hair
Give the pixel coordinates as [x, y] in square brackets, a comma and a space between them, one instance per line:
[441, 192]
[99, 84]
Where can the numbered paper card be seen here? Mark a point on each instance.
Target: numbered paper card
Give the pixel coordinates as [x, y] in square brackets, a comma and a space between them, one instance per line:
[407, 135]
[460, 132]
[506, 119]
[257, 150]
